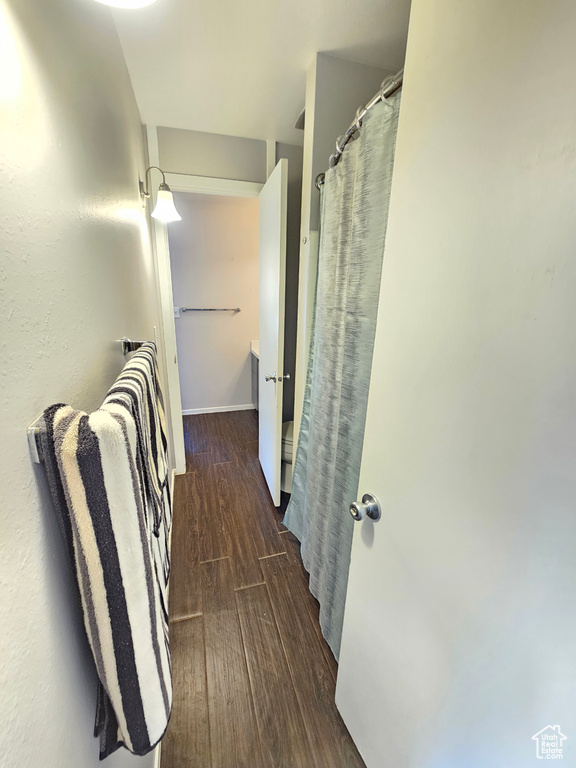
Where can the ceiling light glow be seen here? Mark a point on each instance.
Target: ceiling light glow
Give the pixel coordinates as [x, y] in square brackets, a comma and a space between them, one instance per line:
[127, 3]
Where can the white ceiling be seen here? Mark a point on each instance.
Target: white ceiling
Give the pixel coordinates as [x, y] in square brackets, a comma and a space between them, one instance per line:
[238, 67]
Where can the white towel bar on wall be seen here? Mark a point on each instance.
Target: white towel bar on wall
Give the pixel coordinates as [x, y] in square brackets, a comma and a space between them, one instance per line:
[33, 443]
[210, 309]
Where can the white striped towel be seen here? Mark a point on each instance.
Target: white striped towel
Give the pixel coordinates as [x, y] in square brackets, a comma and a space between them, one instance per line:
[108, 474]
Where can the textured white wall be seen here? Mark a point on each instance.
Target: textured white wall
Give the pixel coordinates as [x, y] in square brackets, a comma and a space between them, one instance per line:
[214, 257]
[77, 274]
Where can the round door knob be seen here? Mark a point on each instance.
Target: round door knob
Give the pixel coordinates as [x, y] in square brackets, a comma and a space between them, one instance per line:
[368, 507]
[270, 377]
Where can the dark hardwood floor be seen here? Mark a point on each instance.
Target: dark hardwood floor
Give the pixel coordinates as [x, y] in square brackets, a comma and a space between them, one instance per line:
[253, 677]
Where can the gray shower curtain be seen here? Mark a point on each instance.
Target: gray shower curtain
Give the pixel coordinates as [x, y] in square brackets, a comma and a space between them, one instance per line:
[352, 233]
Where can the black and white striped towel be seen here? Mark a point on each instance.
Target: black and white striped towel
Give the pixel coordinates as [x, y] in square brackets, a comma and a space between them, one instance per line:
[108, 474]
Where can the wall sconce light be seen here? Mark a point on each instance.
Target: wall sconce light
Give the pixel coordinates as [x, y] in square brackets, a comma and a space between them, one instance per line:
[165, 210]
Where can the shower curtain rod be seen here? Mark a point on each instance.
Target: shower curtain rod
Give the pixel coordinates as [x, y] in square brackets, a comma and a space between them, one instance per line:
[389, 86]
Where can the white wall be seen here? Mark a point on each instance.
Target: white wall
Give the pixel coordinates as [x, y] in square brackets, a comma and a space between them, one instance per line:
[475, 363]
[214, 258]
[335, 88]
[77, 274]
[212, 154]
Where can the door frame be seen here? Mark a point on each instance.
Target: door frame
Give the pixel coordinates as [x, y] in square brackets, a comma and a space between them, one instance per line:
[207, 185]
[204, 185]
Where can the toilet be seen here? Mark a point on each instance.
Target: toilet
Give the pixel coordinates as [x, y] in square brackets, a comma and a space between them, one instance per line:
[287, 456]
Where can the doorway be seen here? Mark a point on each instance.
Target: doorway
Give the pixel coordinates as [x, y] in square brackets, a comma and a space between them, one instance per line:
[231, 247]
[214, 262]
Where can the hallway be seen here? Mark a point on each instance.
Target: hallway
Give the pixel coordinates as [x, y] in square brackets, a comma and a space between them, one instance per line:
[253, 678]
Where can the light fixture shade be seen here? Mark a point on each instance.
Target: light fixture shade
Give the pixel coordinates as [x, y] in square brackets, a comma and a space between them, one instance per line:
[126, 3]
[165, 209]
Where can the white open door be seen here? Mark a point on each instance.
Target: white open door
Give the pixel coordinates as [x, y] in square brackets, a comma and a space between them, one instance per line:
[273, 219]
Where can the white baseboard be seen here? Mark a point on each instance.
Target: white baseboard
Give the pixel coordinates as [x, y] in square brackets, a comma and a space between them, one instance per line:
[172, 481]
[218, 409]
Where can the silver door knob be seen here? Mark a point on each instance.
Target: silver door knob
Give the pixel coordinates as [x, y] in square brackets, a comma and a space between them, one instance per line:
[368, 507]
[270, 377]
[286, 377]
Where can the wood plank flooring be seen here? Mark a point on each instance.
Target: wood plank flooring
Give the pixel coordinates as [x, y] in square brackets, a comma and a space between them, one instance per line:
[253, 678]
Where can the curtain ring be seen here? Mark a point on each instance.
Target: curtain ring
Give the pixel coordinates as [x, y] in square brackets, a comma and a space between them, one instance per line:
[386, 83]
[341, 143]
[358, 118]
[332, 160]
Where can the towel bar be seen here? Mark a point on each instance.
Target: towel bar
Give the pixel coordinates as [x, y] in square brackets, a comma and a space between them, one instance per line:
[211, 309]
[32, 432]
[130, 346]
[33, 429]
